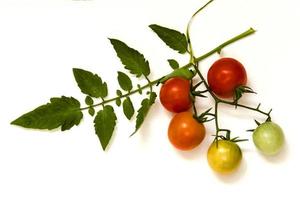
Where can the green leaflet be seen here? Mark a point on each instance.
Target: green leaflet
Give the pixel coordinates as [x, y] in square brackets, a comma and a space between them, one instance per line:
[104, 123]
[63, 111]
[181, 72]
[143, 111]
[131, 58]
[118, 102]
[140, 89]
[119, 93]
[173, 63]
[128, 108]
[89, 83]
[174, 39]
[91, 111]
[124, 81]
[89, 101]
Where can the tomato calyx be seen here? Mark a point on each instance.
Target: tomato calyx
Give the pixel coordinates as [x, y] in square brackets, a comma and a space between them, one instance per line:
[240, 91]
[206, 116]
[227, 137]
[235, 139]
[269, 119]
[198, 93]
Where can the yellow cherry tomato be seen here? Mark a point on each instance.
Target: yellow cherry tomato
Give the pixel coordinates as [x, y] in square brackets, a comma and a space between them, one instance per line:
[225, 157]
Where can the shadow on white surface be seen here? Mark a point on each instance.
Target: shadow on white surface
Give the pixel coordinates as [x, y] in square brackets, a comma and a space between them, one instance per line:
[190, 155]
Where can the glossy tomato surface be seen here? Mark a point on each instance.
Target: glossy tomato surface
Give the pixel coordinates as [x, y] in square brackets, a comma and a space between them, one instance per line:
[185, 132]
[225, 75]
[175, 95]
[268, 138]
[225, 157]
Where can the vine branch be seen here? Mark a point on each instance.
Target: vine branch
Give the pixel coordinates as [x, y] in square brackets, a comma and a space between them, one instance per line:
[250, 31]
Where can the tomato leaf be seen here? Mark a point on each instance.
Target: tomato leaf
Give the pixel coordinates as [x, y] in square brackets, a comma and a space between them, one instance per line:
[173, 63]
[92, 111]
[89, 83]
[128, 108]
[104, 123]
[63, 111]
[139, 89]
[143, 111]
[124, 81]
[119, 93]
[118, 102]
[89, 101]
[131, 58]
[174, 39]
[206, 116]
[181, 72]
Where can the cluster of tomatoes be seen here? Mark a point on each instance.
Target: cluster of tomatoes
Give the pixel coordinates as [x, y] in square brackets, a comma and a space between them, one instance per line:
[186, 132]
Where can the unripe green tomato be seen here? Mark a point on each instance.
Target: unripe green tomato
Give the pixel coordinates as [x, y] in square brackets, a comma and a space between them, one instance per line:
[268, 138]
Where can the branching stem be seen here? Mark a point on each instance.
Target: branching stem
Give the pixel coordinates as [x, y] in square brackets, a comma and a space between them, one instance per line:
[189, 65]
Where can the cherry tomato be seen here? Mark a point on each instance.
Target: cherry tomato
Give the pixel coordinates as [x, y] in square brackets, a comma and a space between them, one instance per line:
[225, 75]
[175, 95]
[224, 157]
[185, 132]
[268, 138]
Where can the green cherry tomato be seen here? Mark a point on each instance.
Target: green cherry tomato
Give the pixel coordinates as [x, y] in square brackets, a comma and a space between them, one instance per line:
[225, 157]
[268, 138]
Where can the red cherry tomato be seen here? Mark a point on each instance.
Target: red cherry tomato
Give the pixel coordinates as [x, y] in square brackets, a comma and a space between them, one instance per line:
[225, 75]
[185, 132]
[175, 95]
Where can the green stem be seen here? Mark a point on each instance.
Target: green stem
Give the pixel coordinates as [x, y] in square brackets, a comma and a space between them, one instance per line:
[216, 118]
[190, 48]
[193, 99]
[218, 49]
[149, 83]
[204, 56]
[218, 100]
[244, 106]
[233, 103]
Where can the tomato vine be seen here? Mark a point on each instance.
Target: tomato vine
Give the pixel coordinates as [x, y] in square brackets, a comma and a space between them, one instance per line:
[65, 112]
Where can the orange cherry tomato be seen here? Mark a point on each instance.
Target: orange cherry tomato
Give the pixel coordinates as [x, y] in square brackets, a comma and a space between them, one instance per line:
[185, 132]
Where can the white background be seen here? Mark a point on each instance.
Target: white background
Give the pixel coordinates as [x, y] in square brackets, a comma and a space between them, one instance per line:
[41, 41]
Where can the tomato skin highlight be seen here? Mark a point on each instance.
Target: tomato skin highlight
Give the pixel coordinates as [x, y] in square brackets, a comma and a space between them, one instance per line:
[225, 157]
[185, 133]
[268, 138]
[225, 75]
[175, 95]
